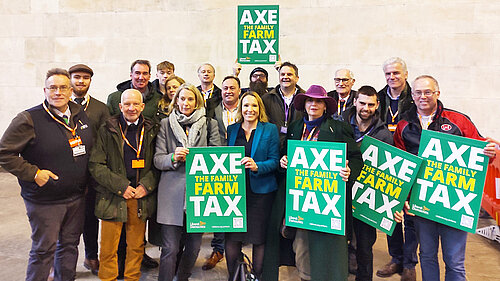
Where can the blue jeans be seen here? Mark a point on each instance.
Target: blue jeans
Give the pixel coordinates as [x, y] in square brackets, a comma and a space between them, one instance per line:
[404, 251]
[171, 236]
[218, 242]
[452, 244]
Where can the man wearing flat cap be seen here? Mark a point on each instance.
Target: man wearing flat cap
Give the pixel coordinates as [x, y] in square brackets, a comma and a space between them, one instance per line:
[98, 113]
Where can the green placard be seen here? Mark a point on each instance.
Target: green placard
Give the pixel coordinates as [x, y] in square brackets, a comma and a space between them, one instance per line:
[383, 184]
[258, 34]
[315, 192]
[450, 183]
[215, 189]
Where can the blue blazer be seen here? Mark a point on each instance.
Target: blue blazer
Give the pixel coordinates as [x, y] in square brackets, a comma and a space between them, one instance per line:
[265, 153]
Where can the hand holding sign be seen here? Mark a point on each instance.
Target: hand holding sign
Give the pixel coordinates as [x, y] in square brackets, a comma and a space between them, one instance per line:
[249, 164]
[345, 172]
[284, 162]
[180, 154]
[490, 148]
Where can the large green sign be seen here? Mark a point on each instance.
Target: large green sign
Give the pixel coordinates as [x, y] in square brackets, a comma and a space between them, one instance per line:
[449, 186]
[258, 34]
[383, 184]
[215, 189]
[315, 192]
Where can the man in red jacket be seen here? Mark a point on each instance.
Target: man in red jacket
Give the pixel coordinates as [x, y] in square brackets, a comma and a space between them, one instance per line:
[428, 113]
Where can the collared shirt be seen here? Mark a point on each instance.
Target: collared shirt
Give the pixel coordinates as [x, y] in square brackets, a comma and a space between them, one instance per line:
[85, 98]
[208, 93]
[130, 123]
[228, 115]
[288, 100]
[61, 114]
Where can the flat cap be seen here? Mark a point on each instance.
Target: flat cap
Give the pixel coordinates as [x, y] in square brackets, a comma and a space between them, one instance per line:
[82, 68]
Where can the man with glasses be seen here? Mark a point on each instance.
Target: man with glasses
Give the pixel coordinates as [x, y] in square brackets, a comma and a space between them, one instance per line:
[258, 80]
[47, 148]
[428, 113]
[343, 95]
[395, 100]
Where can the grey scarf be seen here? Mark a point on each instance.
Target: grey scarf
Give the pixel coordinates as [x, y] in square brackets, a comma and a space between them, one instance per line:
[197, 120]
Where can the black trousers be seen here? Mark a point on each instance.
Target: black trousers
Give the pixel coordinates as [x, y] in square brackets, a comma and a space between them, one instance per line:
[365, 238]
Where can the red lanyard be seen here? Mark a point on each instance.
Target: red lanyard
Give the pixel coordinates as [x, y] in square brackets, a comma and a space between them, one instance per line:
[73, 131]
[138, 150]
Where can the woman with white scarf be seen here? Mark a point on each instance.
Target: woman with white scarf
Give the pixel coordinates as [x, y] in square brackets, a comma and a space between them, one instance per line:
[185, 127]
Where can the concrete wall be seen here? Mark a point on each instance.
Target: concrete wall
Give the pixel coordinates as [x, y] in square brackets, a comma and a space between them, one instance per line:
[456, 41]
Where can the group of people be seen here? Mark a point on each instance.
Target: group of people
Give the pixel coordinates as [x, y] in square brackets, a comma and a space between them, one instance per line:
[79, 161]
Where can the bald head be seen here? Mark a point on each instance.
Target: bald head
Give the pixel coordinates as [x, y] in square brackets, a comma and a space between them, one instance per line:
[131, 105]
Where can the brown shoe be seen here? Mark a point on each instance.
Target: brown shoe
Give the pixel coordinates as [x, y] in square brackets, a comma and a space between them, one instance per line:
[409, 274]
[389, 269]
[214, 258]
[92, 265]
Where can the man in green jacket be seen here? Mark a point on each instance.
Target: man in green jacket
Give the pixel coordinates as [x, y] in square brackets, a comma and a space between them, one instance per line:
[140, 73]
[121, 163]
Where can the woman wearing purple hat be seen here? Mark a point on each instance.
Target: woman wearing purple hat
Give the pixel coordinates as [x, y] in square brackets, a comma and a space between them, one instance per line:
[323, 256]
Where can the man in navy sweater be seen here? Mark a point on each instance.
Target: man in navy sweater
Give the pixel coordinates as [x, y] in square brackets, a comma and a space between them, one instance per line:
[47, 148]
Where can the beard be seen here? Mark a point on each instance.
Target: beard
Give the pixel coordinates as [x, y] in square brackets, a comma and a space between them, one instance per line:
[259, 87]
[80, 93]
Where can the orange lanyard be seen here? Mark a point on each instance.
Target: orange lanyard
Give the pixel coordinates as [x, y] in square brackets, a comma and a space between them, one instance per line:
[73, 131]
[393, 115]
[428, 122]
[343, 108]
[311, 134]
[138, 150]
[210, 92]
[86, 104]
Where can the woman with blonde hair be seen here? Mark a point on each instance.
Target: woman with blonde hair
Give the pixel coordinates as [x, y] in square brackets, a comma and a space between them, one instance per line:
[261, 142]
[171, 85]
[185, 126]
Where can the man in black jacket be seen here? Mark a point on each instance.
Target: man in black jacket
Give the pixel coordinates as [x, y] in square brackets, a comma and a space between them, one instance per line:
[343, 93]
[279, 101]
[365, 121]
[81, 77]
[47, 149]
[395, 100]
[210, 92]
[164, 70]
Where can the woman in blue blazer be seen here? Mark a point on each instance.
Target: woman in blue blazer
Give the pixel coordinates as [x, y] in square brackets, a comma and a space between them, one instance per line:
[261, 142]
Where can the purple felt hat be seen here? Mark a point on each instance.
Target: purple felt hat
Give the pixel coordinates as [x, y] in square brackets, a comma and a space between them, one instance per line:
[315, 92]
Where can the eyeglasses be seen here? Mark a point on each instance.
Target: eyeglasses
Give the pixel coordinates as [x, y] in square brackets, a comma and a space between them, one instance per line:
[426, 93]
[54, 89]
[257, 75]
[338, 80]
